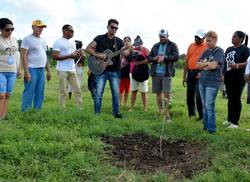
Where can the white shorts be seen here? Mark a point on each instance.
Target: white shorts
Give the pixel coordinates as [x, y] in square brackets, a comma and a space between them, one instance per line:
[141, 86]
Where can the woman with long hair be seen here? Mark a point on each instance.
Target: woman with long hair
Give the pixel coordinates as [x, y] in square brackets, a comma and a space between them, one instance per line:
[234, 69]
[9, 64]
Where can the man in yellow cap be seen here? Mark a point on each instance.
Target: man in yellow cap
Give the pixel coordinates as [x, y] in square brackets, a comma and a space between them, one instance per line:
[39, 23]
[33, 52]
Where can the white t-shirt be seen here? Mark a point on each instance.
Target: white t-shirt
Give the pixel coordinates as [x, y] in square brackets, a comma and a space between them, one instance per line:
[9, 55]
[247, 71]
[65, 47]
[37, 48]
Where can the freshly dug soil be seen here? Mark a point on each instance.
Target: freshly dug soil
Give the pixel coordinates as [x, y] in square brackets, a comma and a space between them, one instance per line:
[178, 158]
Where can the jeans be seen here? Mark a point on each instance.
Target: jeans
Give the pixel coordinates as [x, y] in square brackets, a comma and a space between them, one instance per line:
[114, 80]
[193, 94]
[34, 89]
[208, 96]
[7, 82]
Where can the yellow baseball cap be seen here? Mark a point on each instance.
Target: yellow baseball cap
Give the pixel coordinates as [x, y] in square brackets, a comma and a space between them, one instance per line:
[38, 23]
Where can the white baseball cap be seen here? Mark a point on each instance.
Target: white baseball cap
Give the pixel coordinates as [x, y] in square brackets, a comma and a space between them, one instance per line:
[200, 33]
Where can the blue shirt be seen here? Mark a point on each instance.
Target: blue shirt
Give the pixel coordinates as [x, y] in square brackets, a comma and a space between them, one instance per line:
[161, 68]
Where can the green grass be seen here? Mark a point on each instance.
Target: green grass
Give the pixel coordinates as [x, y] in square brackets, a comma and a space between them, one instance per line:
[53, 145]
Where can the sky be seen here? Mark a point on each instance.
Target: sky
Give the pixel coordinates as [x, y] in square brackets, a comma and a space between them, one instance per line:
[182, 18]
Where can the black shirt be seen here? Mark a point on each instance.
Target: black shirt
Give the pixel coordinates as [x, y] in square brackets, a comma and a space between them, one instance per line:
[125, 71]
[235, 55]
[115, 44]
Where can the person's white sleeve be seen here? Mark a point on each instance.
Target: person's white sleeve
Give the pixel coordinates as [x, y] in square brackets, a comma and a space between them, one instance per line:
[56, 46]
[247, 71]
[25, 43]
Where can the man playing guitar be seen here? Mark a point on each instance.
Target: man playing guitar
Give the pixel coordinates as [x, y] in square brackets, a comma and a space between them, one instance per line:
[111, 72]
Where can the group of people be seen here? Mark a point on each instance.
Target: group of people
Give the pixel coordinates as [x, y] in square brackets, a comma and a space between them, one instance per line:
[132, 67]
[206, 67]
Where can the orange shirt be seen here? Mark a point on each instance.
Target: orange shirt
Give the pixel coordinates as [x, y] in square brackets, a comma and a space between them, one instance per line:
[194, 53]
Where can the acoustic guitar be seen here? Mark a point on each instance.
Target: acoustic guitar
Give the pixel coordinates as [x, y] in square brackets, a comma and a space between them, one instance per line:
[97, 66]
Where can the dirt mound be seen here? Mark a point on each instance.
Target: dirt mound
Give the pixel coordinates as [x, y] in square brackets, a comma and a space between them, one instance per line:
[143, 153]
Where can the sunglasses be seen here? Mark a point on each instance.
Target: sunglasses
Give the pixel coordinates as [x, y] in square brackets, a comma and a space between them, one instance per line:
[72, 31]
[112, 27]
[9, 29]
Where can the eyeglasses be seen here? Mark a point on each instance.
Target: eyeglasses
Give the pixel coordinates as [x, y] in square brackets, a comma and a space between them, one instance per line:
[112, 27]
[9, 29]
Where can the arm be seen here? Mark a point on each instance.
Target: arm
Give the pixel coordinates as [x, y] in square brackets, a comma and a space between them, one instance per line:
[151, 57]
[47, 67]
[238, 65]
[19, 72]
[24, 58]
[184, 80]
[207, 65]
[57, 57]
[247, 71]
[91, 50]
[174, 55]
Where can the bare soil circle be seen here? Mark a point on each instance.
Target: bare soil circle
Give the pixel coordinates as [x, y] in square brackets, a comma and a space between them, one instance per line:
[147, 154]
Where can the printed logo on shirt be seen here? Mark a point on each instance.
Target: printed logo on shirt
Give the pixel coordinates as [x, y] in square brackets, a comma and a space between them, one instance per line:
[230, 59]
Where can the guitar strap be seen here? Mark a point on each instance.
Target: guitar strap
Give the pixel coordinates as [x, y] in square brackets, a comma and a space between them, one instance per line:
[115, 44]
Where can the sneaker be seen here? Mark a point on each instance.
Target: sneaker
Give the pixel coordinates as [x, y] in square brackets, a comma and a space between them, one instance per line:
[118, 115]
[226, 123]
[233, 126]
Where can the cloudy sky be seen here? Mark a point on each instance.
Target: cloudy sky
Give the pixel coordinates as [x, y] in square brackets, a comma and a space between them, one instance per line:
[142, 17]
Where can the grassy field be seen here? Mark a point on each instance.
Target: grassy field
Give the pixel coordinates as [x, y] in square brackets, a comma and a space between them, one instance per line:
[53, 145]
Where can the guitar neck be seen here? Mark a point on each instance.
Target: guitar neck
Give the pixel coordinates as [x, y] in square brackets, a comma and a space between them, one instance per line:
[116, 53]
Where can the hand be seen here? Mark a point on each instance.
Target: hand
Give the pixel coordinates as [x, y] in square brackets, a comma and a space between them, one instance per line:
[101, 56]
[222, 79]
[88, 72]
[19, 74]
[79, 64]
[160, 59]
[234, 66]
[156, 58]
[75, 54]
[247, 77]
[137, 63]
[197, 76]
[27, 76]
[184, 81]
[48, 76]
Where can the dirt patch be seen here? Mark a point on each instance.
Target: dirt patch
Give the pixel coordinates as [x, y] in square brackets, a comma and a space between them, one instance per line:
[143, 153]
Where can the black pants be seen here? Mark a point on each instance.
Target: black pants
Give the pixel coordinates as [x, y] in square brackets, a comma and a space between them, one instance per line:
[234, 88]
[92, 85]
[248, 92]
[193, 94]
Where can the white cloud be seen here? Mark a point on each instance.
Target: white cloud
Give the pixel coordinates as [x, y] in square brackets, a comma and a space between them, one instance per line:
[89, 18]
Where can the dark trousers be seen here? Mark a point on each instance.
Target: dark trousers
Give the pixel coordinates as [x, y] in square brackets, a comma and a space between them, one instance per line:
[92, 85]
[193, 94]
[248, 92]
[234, 88]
